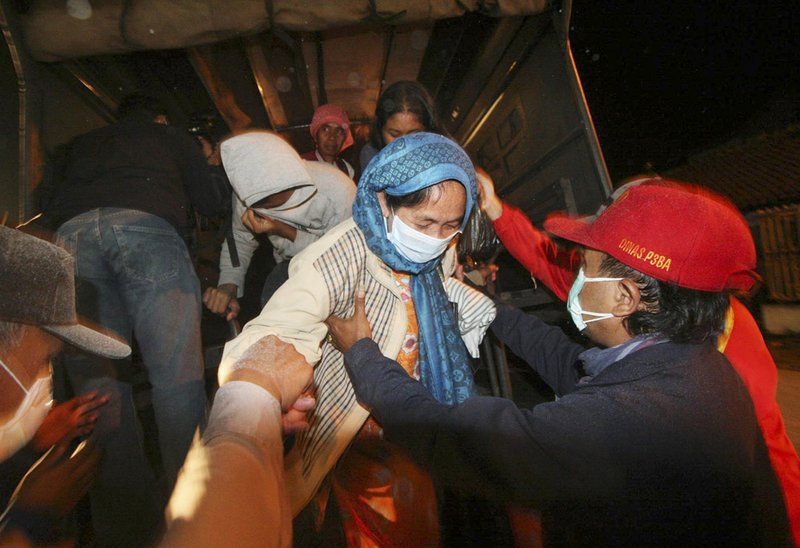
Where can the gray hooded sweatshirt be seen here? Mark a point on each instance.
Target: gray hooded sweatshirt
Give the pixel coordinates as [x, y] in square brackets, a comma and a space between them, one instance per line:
[261, 163]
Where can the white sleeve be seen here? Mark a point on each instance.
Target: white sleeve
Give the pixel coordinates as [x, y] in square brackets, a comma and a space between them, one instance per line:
[476, 312]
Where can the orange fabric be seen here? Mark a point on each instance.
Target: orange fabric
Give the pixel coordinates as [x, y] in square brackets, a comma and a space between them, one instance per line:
[384, 498]
[408, 357]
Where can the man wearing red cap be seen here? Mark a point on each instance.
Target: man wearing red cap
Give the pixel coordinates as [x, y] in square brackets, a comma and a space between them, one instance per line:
[653, 439]
[330, 129]
[741, 340]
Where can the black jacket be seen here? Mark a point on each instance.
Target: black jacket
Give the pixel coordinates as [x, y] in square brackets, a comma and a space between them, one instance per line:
[145, 166]
[661, 448]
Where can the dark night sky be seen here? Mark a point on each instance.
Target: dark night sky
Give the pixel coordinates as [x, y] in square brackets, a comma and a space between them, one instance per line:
[666, 79]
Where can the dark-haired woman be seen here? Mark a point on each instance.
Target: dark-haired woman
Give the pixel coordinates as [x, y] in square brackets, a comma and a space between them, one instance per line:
[403, 108]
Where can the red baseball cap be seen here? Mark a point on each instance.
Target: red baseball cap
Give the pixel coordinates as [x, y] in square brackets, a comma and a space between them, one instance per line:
[672, 231]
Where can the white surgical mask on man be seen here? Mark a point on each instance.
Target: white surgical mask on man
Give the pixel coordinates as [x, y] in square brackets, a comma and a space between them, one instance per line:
[413, 244]
[19, 430]
[574, 303]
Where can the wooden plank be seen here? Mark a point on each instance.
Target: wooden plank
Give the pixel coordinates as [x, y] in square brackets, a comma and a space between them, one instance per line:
[266, 80]
[223, 97]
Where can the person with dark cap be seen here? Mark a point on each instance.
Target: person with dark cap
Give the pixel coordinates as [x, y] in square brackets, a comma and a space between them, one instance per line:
[37, 315]
[330, 129]
[653, 439]
[121, 210]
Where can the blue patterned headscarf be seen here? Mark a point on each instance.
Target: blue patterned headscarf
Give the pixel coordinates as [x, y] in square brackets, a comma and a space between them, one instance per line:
[405, 166]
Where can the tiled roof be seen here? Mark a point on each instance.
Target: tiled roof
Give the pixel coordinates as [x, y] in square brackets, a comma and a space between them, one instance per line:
[758, 172]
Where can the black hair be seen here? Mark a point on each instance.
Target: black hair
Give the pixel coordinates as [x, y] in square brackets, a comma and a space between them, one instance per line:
[140, 107]
[677, 313]
[416, 198]
[404, 96]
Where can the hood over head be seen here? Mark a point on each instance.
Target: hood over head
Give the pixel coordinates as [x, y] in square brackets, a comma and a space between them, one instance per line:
[261, 163]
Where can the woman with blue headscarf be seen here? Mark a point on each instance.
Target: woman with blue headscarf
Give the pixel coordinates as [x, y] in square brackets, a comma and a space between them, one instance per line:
[412, 200]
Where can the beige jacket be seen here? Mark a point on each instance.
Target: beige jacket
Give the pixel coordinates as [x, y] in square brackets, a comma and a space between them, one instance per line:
[323, 280]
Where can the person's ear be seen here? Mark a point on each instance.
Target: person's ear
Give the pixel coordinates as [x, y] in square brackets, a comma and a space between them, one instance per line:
[385, 209]
[626, 299]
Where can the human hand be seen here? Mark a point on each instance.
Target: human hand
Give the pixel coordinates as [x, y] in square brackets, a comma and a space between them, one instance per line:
[258, 224]
[222, 300]
[56, 483]
[274, 365]
[490, 203]
[483, 274]
[344, 333]
[66, 421]
[296, 418]
[215, 158]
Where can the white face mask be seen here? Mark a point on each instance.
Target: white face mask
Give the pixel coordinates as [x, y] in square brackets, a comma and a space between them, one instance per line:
[30, 414]
[574, 303]
[413, 244]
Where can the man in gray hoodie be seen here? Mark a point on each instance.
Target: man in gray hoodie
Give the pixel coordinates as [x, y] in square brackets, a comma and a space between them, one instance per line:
[293, 201]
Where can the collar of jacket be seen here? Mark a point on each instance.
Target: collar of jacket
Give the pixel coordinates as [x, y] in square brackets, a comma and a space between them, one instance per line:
[655, 360]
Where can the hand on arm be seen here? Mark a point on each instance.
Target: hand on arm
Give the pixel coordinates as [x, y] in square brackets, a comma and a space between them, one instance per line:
[296, 418]
[222, 300]
[344, 333]
[267, 225]
[275, 366]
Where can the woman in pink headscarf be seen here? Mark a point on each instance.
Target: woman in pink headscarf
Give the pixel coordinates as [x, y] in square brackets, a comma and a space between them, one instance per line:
[330, 129]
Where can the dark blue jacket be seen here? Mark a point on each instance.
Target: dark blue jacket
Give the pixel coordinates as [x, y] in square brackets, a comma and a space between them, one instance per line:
[661, 448]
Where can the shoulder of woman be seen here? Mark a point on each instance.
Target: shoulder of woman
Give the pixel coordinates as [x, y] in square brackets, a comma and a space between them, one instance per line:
[341, 240]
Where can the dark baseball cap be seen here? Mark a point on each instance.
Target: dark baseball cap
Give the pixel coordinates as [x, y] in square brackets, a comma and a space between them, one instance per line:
[37, 287]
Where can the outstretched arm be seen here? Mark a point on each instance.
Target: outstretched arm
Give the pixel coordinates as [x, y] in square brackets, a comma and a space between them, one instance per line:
[231, 488]
[534, 249]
